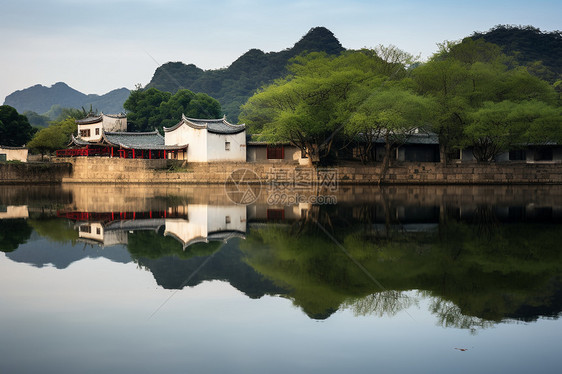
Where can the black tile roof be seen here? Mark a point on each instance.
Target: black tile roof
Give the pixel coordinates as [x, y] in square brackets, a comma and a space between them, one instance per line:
[216, 126]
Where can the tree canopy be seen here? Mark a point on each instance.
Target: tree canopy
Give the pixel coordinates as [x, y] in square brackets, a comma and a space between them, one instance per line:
[473, 83]
[153, 109]
[311, 107]
[15, 130]
[54, 137]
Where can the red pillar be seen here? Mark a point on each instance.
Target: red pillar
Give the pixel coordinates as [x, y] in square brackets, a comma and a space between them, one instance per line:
[133, 153]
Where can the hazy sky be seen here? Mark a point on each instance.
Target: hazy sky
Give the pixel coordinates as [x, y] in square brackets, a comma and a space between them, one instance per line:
[97, 46]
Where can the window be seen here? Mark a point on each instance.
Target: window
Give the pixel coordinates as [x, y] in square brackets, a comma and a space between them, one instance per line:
[517, 155]
[303, 153]
[227, 146]
[84, 133]
[543, 154]
[86, 228]
[227, 219]
[97, 131]
[98, 231]
[3, 156]
[275, 214]
[275, 152]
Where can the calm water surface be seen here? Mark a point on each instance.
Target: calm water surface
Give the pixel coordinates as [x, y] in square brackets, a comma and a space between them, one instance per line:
[180, 279]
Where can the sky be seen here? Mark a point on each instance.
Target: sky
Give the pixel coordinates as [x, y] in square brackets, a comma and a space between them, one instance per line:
[99, 46]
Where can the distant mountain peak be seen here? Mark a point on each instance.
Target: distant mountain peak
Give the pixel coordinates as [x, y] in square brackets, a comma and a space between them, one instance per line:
[40, 99]
[319, 39]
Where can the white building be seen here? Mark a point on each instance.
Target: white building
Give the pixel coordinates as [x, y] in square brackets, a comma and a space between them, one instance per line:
[91, 129]
[13, 154]
[209, 140]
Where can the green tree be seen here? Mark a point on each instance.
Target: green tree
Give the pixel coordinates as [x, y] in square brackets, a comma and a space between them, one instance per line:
[463, 77]
[311, 106]
[153, 109]
[15, 130]
[54, 137]
[497, 127]
[392, 114]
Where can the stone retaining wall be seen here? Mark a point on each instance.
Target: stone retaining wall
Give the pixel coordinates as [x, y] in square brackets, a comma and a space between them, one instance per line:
[33, 173]
[113, 170]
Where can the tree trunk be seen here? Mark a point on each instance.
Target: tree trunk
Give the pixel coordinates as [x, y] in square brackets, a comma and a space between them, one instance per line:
[442, 154]
[385, 162]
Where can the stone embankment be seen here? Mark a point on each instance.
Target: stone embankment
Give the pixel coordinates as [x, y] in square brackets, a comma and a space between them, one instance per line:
[34, 173]
[104, 170]
[114, 170]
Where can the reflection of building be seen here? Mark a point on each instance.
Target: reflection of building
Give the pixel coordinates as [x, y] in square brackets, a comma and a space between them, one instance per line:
[115, 232]
[208, 223]
[111, 228]
[188, 224]
[13, 211]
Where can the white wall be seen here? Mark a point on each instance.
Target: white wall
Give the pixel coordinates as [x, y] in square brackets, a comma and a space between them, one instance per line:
[18, 154]
[196, 140]
[216, 150]
[92, 127]
[112, 124]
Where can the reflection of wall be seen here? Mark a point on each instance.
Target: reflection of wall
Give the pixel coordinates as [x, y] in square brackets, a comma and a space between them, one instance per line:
[205, 221]
[13, 211]
[266, 212]
[95, 231]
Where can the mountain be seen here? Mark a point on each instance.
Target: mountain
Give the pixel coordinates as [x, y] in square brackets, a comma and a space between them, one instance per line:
[528, 45]
[40, 99]
[233, 86]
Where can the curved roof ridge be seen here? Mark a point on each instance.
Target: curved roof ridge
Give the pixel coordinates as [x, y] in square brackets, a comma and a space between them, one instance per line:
[155, 132]
[118, 115]
[89, 120]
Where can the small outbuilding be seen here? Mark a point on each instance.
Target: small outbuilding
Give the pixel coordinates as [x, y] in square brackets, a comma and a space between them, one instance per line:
[13, 153]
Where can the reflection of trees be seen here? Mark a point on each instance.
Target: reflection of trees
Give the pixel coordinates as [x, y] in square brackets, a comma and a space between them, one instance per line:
[485, 221]
[486, 274]
[13, 233]
[153, 245]
[450, 315]
[380, 304]
[57, 230]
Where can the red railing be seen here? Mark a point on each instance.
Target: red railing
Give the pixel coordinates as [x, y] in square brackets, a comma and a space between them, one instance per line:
[73, 152]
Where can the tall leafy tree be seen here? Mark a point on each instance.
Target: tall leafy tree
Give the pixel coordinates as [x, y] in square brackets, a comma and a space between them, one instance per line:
[54, 137]
[15, 130]
[311, 106]
[392, 114]
[462, 78]
[153, 109]
[499, 126]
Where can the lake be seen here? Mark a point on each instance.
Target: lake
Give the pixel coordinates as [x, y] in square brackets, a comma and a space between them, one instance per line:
[168, 279]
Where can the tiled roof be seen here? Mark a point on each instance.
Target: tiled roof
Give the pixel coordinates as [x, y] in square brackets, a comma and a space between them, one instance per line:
[136, 140]
[419, 138]
[216, 126]
[131, 140]
[89, 120]
[79, 141]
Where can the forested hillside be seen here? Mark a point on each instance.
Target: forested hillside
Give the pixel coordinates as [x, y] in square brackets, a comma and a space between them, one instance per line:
[234, 85]
[529, 46]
